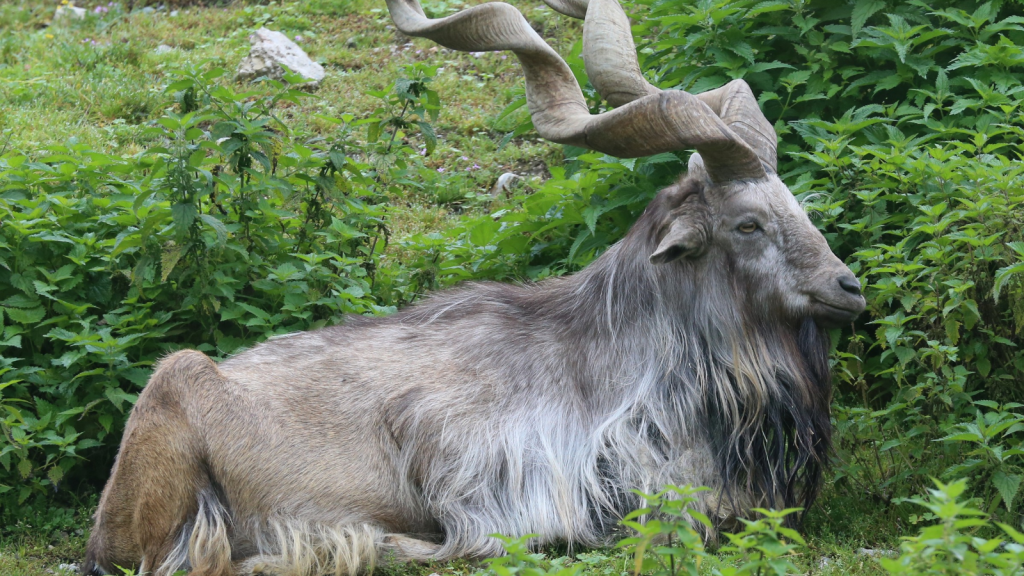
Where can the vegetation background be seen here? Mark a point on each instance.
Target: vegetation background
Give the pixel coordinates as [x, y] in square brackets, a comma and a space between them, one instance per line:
[149, 203]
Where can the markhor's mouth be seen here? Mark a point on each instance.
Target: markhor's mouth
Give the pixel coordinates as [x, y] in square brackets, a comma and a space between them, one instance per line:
[831, 315]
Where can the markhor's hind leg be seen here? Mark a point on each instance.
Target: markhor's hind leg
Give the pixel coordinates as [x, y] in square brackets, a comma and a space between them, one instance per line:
[406, 549]
[148, 511]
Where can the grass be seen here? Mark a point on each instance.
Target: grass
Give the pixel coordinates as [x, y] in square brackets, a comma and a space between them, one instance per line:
[97, 81]
[837, 528]
[100, 80]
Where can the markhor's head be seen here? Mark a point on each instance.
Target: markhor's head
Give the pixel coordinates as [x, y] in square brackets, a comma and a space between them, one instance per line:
[754, 235]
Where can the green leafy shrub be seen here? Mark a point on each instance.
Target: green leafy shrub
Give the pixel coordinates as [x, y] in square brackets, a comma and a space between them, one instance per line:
[928, 223]
[997, 467]
[228, 230]
[960, 541]
[667, 543]
[952, 545]
[764, 546]
[520, 560]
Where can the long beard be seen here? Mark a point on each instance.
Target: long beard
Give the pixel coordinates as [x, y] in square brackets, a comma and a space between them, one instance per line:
[778, 460]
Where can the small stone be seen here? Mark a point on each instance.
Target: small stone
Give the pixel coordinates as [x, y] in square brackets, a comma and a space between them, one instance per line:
[270, 51]
[73, 568]
[173, 14]
[163, 49]
[504, 183]
[148, 10]
[876, 553]
[69, 12]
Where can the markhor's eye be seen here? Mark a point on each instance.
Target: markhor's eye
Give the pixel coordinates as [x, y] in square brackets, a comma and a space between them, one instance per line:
[748, 227]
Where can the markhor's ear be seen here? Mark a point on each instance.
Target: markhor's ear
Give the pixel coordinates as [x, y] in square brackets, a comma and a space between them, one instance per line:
[695, 168]
[685, 239]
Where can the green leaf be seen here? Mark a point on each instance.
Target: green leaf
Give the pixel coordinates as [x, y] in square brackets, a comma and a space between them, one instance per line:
[25, 468]
[582, 237]
[514, 105]
[338, 159]
[863, 10]
[433, 105]
[372, 132]
[168, 260]
[429, 138]
[1003, 276]
[196, 159]
[223, 129]
[1008, 486]
[55, 474]
[184, 214]
[179, 85]
[889, 445]
[21, 301]
[218, 227]
[663, 158]
[984, 366]
[904, 354]
[28, 316]
[953, 331]
[118, 397]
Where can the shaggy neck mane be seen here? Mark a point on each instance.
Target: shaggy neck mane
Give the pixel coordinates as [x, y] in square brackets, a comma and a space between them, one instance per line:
[665, 375]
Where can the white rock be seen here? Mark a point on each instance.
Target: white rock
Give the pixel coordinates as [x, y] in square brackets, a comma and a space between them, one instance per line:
[876, 553]
[163, 49]
[69, 568]
[271, 50]
[69, 12]
[504, 183]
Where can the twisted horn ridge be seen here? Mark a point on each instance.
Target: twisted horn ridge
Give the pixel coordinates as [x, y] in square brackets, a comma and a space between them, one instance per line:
[610, 58]
[571, 8]
[610, 55]
[657, 122]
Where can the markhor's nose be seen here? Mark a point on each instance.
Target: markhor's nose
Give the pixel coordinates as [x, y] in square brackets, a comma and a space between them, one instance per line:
[850, 284]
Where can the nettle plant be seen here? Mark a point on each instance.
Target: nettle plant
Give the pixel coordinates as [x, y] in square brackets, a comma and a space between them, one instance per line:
[930, 223]
[957, 538]
[956, 544]
[230, 229]
[408, 103]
